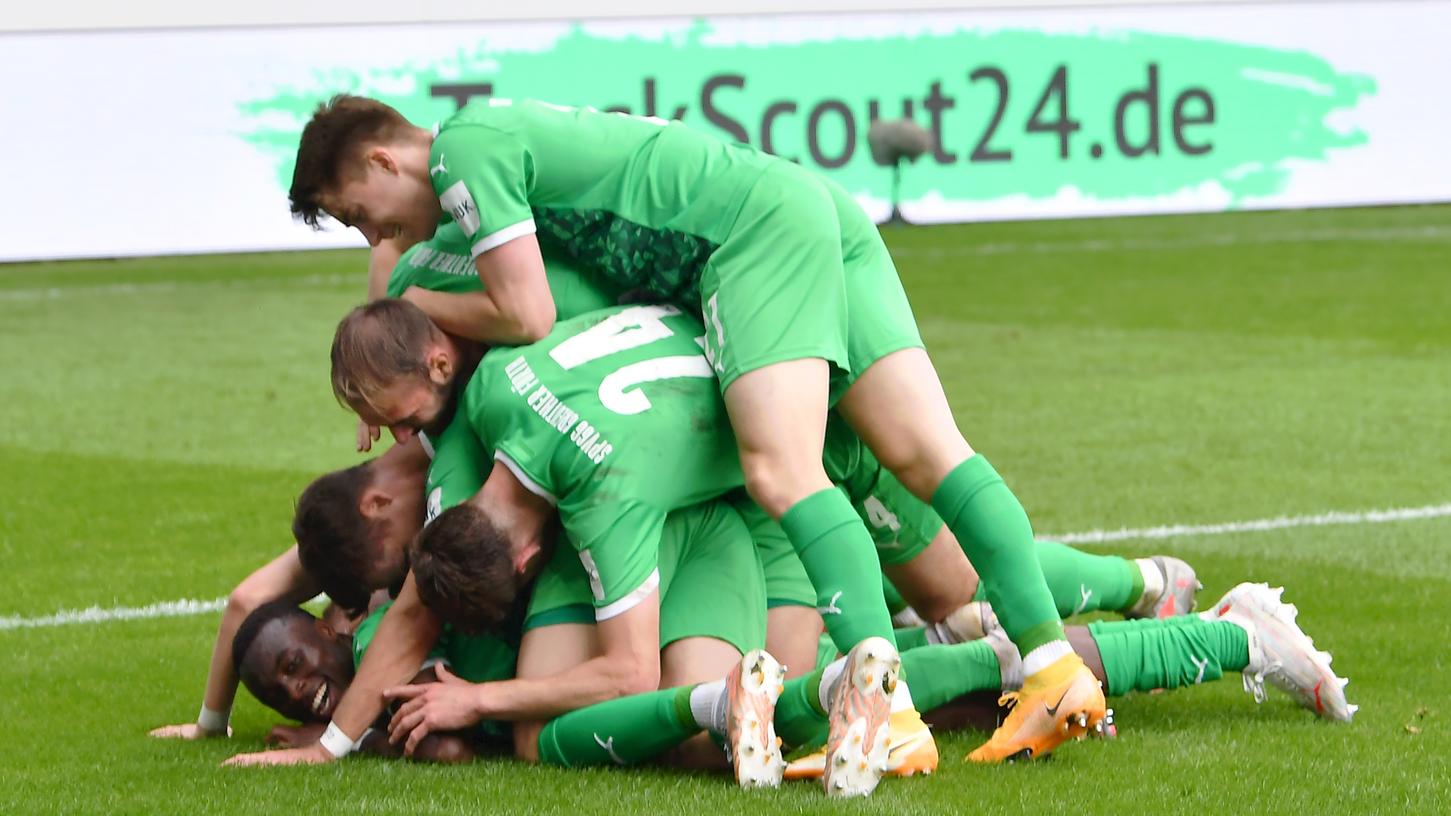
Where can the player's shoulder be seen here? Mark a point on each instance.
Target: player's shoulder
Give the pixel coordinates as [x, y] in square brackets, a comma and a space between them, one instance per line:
[503, 115]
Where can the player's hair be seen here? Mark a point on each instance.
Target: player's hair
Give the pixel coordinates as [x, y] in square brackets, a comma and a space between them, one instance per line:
[334, 541]
[378, 344]
[338, 129]
[253, 625]
[463, 571]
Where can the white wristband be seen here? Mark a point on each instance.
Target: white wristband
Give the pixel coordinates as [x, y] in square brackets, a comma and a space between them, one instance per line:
[336, 742]
[213, 722]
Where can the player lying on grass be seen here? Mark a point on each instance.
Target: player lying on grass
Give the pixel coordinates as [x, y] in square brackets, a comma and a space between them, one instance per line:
[803, 303]
[300, 667]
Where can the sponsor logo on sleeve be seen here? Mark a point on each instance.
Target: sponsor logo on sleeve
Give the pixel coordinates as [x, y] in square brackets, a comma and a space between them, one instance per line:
[458, 202]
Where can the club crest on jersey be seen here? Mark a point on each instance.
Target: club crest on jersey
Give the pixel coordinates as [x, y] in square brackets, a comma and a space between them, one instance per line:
[458, 202]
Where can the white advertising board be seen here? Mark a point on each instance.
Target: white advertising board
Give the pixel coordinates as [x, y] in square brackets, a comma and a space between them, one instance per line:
[181, 141]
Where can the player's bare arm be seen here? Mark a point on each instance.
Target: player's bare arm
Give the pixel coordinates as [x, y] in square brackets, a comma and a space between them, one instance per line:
[283, 578]
[382, 258]
[514, 307]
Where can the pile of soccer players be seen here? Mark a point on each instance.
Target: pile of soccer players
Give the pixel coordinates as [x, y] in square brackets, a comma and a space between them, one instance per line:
[672, 470]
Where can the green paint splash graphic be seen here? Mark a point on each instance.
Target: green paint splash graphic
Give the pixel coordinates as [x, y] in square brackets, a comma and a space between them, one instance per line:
[1070, 110]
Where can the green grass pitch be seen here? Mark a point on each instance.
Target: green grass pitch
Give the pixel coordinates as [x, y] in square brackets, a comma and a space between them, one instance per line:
[159, 417]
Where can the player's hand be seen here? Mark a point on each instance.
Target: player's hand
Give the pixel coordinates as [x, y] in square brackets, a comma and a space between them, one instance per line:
[313, 754]
[367, 435]
[448, 705]
[187, 731]
[294, 736]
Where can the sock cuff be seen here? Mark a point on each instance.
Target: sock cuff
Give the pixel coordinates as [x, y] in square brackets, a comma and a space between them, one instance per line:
[1136, 583]
[817, 515]
[1040, 635]
[964, 482]
[681, 708]
[548, 746]
[813, 691]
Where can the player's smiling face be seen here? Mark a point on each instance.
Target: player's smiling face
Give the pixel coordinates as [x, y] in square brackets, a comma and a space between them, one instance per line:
[299, 669]
[384, 201]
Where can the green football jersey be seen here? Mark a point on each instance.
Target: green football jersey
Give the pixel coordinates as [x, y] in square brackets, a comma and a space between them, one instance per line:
[443, 264]
[476, 658]
[642, 201]
[615, 418]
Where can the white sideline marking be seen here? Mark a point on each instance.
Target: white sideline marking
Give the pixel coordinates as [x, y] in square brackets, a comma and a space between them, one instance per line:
[95, 614]
[189, 606]
[1223, 239]
[1257, 526]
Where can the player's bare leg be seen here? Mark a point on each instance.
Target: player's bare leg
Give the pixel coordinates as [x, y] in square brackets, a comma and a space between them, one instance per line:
[779, 416]
[688, 662]
[545, 652]
[900, 411]
[792, 635]
[939, 581]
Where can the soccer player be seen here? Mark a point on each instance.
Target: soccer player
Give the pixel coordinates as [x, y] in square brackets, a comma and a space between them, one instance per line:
[803, 304]
[300, 667]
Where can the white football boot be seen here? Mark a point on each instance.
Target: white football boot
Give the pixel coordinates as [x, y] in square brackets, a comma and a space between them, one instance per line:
[1279, 651]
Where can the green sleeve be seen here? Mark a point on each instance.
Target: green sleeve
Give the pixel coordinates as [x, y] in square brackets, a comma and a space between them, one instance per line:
[482, 177]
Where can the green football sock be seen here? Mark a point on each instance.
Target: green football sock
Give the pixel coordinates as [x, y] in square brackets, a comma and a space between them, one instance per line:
[941, 674]
[993, 531]
[800, 719]
[1143, 655]
[841, 560]
[619, 732]
[1083, 582]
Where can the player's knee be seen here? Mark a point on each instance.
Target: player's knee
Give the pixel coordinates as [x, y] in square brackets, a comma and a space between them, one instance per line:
[934, 604]
[526, 741]
[776, 485]
[918, 471]
[444, 749]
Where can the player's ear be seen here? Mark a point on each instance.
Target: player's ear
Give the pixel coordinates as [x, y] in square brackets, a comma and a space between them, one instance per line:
[440, 366]
[373, 502]
[523, 559]
[380, 157]
[325, 629]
